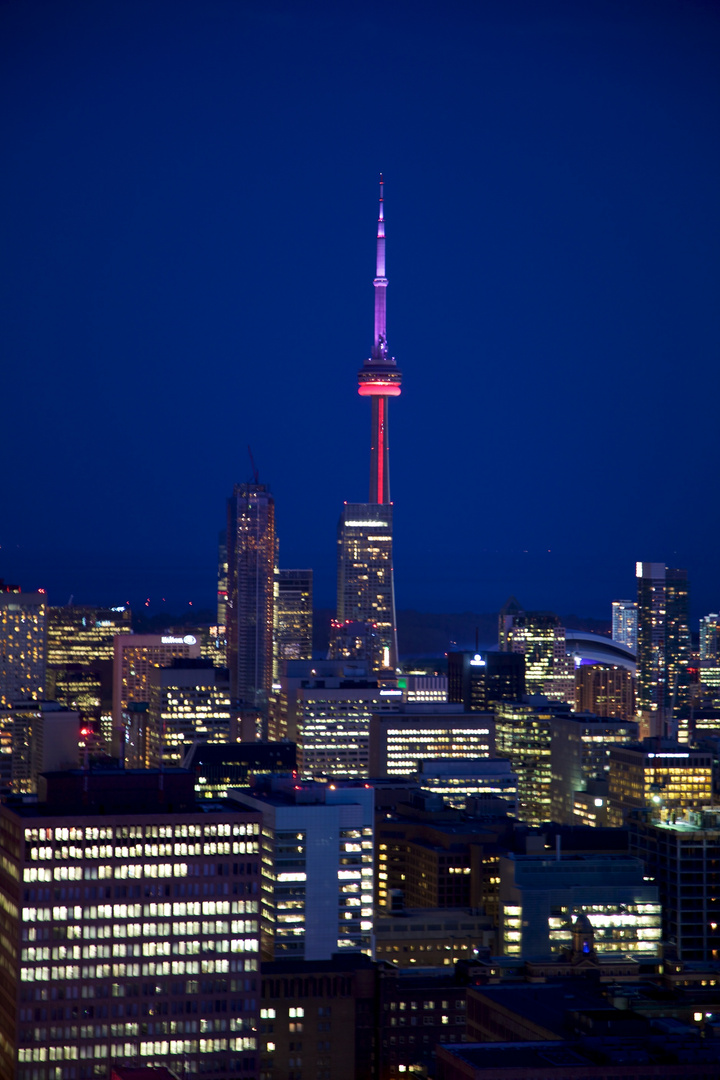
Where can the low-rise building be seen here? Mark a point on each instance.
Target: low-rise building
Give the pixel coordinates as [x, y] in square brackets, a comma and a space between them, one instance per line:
[542, 897]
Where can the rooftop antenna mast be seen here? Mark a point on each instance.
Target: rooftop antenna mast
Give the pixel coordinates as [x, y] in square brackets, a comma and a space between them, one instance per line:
[255, 473]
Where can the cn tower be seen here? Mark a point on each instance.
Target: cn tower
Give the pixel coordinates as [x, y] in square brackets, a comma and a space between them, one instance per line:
[379, 377]
[366, 587]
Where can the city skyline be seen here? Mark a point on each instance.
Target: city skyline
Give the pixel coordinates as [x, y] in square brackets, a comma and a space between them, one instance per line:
[193, 278]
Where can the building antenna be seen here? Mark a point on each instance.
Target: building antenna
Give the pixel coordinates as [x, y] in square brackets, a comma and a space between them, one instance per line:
[252, 465]
[380, 283]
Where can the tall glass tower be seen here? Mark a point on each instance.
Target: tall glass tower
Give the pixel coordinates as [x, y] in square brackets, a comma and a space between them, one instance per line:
[250, 604]
[365, 585]
[663, 651]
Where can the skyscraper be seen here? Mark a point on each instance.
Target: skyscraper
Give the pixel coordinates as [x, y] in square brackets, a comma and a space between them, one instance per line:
[624, 623]
[663, 651]
[366, 590]
[295, 615]
[23, 644]
[710, 636]
[539, 636]
[250, 599]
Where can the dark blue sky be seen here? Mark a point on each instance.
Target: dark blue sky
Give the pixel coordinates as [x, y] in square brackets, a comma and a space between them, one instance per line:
[188, 195]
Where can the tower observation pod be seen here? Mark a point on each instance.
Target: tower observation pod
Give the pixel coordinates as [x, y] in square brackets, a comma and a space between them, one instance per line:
[379, 378]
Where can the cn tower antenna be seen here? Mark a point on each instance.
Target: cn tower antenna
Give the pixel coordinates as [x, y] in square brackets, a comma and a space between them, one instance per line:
[380, 283]
[379, 378]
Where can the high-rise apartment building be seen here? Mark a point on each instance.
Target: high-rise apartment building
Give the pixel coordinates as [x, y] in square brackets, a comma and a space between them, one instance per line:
[294, 615]
[366, 591]
[625, 623]
[663, 652]
[317, 885]
[129, 929]
[23, 644]
[606, 690]
[251, 552]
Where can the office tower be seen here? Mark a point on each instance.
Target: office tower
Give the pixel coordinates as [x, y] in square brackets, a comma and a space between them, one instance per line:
[478, 679]
[625, 623]
[457, 781]
[366, 591]
[189, 702]
[541, 898]
[81, 635]
[606, 690]
[408, 733]
[523, 735]
[332, 714]
[134, 657]
[251, 549]
[663, 652]
[365, 574]
[660, 776]
[710, 637]
[218, 767]
[80, 658]
[359, 641]
[222, 578]
[683, 858]
[434, 854]
[423, 687]
[580, 754]
[35, 736]
[130, 928]
[294, 615]
[506, 619]
[23, 644]
[539, 636]
[317, 884]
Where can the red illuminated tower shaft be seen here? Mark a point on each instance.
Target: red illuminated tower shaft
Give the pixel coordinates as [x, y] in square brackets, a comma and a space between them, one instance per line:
[379, 378]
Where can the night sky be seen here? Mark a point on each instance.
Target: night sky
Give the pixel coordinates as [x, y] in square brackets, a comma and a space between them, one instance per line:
[188, 213]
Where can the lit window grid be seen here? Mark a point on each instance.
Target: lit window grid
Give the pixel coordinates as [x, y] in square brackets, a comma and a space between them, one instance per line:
[135, 939]
[22, 648]
[186, 715]
[334, 736]
[405, 747]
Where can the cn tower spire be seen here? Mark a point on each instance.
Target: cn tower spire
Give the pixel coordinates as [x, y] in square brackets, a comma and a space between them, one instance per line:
[379, 378]
[380, 285]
